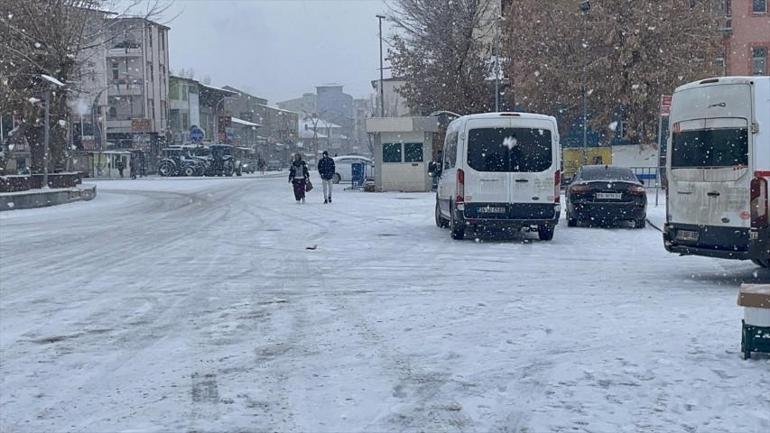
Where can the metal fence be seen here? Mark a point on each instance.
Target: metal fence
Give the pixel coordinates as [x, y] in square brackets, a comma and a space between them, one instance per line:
[652, 177]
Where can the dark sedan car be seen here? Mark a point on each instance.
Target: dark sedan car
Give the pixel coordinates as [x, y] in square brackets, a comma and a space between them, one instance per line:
[606, 194]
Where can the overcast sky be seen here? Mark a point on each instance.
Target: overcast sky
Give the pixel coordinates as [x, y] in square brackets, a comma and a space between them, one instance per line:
[278, 49]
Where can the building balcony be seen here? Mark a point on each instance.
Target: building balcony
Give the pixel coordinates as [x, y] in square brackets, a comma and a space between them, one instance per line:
[126, 90]
[125, 52]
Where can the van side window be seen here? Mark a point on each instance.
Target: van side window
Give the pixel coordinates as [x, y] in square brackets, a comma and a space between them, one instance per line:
[450, 149]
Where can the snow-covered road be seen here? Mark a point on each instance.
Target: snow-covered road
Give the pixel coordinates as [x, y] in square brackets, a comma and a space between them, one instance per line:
[184, 305]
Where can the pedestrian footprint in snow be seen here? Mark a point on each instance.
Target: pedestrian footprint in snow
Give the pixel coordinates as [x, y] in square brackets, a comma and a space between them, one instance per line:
[299, 177]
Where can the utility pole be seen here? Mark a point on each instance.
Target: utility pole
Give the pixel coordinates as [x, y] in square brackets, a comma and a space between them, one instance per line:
[585, 7]
[497, 64]
[382, 68]
[46, 137]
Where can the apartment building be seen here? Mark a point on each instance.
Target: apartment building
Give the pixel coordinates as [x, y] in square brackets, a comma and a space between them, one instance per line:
[746, 26]
[137, 77]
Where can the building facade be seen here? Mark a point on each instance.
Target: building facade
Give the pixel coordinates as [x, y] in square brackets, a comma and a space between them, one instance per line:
[137, 77]
[307, 103]
[184, 108]
[746, 26]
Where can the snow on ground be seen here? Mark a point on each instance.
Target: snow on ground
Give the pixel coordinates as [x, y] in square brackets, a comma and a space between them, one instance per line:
[194, 305]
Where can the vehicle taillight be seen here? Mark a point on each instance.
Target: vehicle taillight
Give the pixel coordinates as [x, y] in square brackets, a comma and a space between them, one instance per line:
[759, 202]
[636, 190]
[557, 186]
[579, 188]
[460, 186]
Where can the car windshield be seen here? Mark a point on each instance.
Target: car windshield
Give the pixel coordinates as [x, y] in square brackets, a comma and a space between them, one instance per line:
[607, 173]
[178, 255]
[510, 149]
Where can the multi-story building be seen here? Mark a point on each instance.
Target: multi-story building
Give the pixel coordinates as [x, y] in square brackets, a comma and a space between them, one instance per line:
[395, 104]
[184, 108]
[307, 103]
[362, 110]
[137, 77]
[89, 103]
[746, 26]
[335, 106]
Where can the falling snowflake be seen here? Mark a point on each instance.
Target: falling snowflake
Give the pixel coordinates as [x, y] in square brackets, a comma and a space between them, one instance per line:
[613, 126]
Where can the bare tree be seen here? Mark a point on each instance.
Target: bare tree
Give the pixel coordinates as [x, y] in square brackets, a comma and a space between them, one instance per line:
[442, 52]
[632, 52]
[47, 37]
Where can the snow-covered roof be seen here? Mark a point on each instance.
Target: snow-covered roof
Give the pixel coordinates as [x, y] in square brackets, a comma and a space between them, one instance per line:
[309, 134]
[244, 122]
[319, 123]
[218, 89]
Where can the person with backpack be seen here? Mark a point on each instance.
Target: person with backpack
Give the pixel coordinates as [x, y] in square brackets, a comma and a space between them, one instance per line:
[299, 177]
[327, 170]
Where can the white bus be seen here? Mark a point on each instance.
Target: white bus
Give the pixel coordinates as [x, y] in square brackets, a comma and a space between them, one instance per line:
[718, 165]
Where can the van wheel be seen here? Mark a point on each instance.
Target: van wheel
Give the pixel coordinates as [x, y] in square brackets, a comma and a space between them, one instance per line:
[763, 263]
[440, 221]
[545, 233]
[458, 228]
[640, 223]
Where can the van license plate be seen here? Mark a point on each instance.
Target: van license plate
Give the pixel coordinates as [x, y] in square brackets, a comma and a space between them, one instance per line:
[492, 210]
[609, 195]
[687, 235]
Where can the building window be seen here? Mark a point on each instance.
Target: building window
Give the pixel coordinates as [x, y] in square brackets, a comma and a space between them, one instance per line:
[150, 73]
[112, 113]
[720, 65]
[412, 152]
[149, 36]
[185, 121]
[151, 104]
[162, 38]
[728, 8]
[391, 152]
[115, 70]
[759, 61]
[759, 6]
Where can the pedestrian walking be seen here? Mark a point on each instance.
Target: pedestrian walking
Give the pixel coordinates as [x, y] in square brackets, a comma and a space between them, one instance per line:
[327, 170]
[299, 176]
[120, 165]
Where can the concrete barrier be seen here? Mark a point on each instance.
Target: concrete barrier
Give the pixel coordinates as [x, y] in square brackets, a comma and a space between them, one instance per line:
[48, 197]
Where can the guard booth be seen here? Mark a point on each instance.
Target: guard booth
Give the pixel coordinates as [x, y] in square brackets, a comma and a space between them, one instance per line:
[403, 149]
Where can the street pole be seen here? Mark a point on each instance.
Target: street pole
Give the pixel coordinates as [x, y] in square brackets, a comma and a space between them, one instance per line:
[585, 6]
[382, 68]
[46, 137]
[497, 66]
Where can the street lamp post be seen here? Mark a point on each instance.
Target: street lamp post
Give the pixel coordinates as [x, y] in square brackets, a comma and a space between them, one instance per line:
[585, 7]
[497, 63]
[47, 120]
[46, 137]
[382, 68]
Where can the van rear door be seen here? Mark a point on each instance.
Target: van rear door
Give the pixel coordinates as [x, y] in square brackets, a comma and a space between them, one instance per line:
[533, 162]
[487, 177]
[710, 175]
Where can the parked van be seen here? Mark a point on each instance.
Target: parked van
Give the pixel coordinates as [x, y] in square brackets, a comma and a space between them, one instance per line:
[500, 170]
[718, 165]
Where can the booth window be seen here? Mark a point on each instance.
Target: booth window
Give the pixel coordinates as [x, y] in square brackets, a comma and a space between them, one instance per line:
[412, 152]
[391, 152]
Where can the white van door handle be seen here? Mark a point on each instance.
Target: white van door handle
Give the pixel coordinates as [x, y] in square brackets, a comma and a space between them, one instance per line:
[684, 192]
[522, 180]
[712, 194]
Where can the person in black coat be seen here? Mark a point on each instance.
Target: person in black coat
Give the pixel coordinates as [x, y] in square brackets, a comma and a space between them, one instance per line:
[327, 170]
[298, 177]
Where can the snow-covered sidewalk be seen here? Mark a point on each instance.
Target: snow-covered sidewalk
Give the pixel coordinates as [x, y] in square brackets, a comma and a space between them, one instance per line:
[221, 305]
